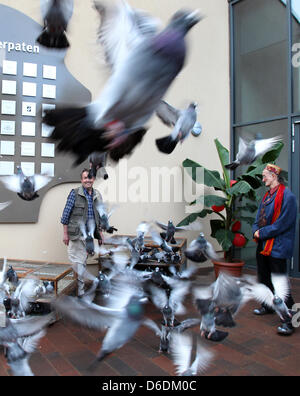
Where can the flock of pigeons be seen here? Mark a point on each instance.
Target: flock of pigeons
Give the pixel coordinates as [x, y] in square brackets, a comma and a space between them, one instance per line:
[116, 301]
[144, 61]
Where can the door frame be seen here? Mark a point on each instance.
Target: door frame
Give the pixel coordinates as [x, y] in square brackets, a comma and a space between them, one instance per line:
[295, 187]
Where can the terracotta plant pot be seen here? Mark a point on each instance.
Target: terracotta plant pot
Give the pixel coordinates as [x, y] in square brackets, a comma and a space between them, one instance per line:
[234, 268]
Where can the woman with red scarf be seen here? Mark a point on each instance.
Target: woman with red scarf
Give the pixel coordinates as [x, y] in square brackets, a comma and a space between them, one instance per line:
[274, 231]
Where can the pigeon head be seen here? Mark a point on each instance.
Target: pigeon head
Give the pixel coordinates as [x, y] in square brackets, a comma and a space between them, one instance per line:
[12, 276]
[185, 19]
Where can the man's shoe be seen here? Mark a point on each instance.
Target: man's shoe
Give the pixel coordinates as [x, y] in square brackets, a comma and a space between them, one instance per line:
[263, 311]
[286, 329]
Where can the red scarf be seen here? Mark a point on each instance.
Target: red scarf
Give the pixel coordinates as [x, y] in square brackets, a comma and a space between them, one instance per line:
[277, 209]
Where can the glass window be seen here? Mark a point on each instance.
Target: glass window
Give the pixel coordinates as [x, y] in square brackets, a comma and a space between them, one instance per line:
[267, 130]
[296, 53]
[261, 45]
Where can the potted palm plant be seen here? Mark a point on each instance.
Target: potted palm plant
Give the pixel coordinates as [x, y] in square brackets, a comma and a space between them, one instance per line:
[233, 203]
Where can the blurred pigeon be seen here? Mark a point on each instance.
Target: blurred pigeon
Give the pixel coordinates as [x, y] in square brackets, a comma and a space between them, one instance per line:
[4, 205]
[249, 151]
[104, 218]
[181, 349]
[182, 121]
[88, 235]
[24, 327]
[27, 291]
[124, 317]
[275, 300]
[162, 243]
[170, 230]
[49, 285]
[118, 39]
[26, 187]
[56, 15]
[18, 353]
[170, 303]
[97, 162]
[200, 250]
[115, 122]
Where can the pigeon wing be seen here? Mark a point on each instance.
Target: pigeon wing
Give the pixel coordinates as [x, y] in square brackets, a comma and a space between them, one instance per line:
[41, 181]
[167, 113]
[12, 182]
[181, 347]
[122, 29]
[264, 145]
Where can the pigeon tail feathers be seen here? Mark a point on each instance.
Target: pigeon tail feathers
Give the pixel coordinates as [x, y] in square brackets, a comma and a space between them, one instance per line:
[166, 144]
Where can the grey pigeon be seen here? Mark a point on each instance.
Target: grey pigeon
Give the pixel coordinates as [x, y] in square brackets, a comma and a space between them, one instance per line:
[182, 121]
[18, 354]
[170, 230]
[274, 300]
[56, 15]
[27, 291]
[24, 327]
[26, 187]
[87, 232]
[248, 152]
[162, 243]
[170, 302]
[200, 250]
[97, 163]
[121, 317]
[181, 350]
[104, 218]
[115, 122]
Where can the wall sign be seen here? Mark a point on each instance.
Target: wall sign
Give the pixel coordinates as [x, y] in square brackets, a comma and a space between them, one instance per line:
[33, 78]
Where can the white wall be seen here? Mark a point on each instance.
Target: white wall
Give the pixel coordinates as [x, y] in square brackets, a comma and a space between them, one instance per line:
[205, 79]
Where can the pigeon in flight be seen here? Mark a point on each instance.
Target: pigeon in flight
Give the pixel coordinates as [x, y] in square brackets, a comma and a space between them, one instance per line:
[123, 315]
[200, 250]
[56, 15]
[274, 300]
[104, 218]
[250, 151]
[97, 163]
[26, 187]
[182, 121]
[115, 122]
[18, 354]
[170, 230]
[181, 346]
[88, 235]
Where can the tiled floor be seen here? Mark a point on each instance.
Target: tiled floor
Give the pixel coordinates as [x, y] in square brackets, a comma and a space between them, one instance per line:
[252, 348]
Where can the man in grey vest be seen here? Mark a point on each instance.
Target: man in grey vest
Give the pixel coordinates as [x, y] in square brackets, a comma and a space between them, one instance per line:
[80, 208]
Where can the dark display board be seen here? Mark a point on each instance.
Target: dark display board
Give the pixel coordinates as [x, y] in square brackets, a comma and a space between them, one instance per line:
[32, 78]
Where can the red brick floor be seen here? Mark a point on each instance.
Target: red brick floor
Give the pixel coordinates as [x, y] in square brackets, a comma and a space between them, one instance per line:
[253, 348]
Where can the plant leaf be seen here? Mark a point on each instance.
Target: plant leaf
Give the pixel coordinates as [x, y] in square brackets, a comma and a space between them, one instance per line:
[192, 217]
[210, 200]
[241, 187]
[224, 159]
[202, 175]
[273, 154]
[225, 238]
